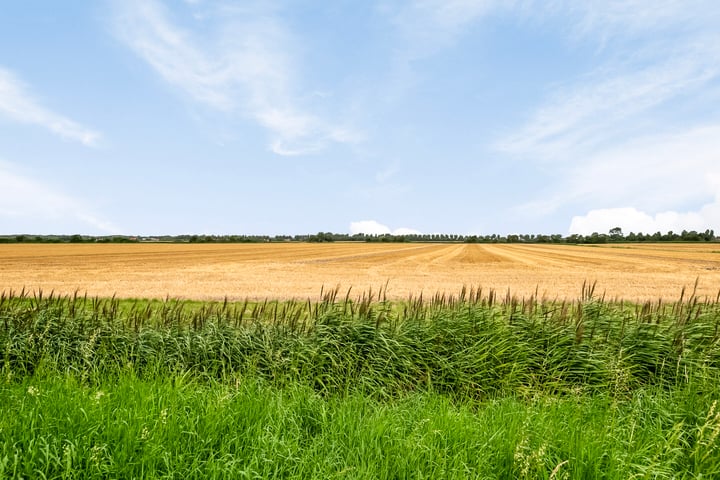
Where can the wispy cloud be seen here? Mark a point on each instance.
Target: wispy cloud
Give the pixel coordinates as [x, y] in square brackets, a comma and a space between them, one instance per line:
[599, 106]
[18, 104]
[617, 140]
[660, 50]
[245, 64]
[387, 173]
[31, 206]
[429, 26]
[449, 15]
[608, 19]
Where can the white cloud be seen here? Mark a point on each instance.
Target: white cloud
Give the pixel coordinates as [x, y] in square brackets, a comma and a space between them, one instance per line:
[372, 227]
[281, 147]
[633, 220]
[652, 173]
[19, 105]
[30, 206]
[245, 64]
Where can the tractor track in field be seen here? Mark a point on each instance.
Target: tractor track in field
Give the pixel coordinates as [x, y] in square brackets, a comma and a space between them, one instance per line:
[299, 270]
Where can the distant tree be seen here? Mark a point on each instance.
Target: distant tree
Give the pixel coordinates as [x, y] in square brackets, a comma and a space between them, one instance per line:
[596, 237]
[691, 236]
[321, 237]
[616, 233]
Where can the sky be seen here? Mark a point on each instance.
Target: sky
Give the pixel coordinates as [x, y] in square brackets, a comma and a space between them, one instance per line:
[152, 117]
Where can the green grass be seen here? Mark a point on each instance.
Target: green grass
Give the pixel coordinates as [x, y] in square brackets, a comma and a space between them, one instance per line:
[467, 386]
[166, 428]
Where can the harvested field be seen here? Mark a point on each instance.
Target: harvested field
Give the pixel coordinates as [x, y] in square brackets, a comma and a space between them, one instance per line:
[635, 272]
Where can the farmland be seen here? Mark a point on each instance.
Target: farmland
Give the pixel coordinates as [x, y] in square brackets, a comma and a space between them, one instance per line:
[635, 272]
[280, 381]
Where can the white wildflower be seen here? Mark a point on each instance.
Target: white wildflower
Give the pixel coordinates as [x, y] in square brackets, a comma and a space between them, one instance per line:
[163, 416]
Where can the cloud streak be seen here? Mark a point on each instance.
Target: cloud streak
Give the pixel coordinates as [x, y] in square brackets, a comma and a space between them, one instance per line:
[598, 108]
[443, 19]
[19, 105]
[608, 19]
[660, 51]
[616, 141]
[244, 64]
[427, 27]
[30, 206]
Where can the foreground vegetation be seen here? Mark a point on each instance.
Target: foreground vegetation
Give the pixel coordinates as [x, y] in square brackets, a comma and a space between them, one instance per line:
[467, 386]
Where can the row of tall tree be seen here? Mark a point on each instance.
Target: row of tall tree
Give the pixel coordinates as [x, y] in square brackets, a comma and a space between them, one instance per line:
[613, 236]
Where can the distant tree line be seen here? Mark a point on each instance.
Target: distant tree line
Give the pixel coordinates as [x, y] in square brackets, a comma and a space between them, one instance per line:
[615, 235]
[65, 239]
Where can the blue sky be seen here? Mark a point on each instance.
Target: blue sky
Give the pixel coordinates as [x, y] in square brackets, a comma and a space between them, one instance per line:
[289, 117]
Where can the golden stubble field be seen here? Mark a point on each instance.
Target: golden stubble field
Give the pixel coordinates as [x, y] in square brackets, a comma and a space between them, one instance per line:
[634, 272]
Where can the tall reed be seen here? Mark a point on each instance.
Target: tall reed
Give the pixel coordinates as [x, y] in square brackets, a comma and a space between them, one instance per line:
[475, 344]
